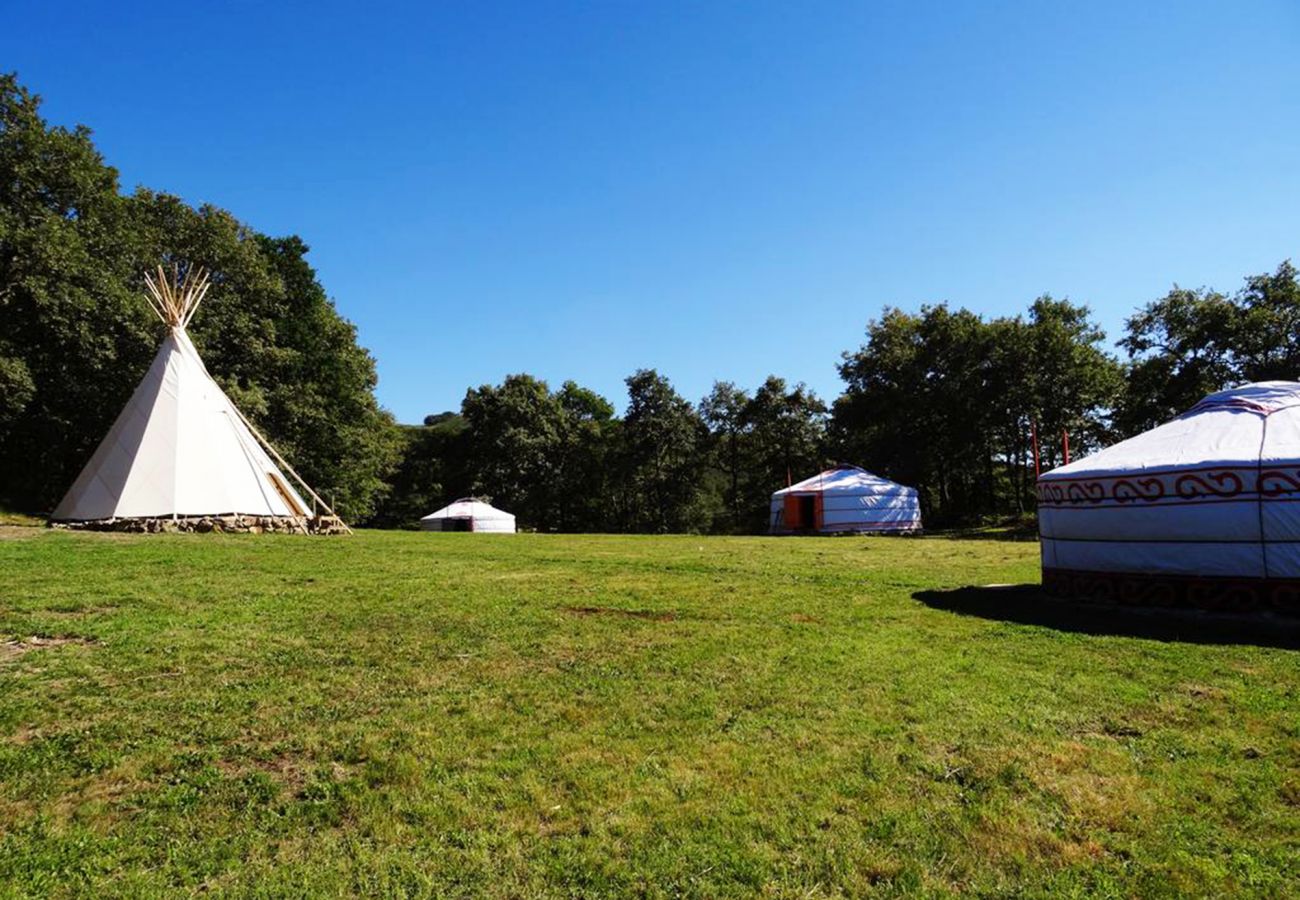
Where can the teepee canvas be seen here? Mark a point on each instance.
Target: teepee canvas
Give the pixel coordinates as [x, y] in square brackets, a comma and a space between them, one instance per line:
[180, 449]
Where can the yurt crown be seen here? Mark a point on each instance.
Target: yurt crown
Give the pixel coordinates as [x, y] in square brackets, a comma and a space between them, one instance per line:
[175, 297]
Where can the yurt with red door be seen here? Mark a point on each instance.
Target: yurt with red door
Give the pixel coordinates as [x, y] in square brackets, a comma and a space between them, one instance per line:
[845, 500]
[1201, 511]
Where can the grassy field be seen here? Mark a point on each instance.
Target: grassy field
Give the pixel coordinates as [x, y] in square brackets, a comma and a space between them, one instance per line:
[415, 714]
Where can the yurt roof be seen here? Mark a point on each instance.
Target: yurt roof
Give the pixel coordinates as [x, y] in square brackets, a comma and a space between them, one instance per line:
[469, 508]
[1225, 428]
[844, 479]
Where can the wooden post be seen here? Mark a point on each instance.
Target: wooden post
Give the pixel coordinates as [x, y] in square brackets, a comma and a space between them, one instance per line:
[1033, 433]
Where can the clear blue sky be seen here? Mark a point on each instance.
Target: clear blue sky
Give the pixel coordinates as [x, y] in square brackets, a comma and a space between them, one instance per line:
[716, 190]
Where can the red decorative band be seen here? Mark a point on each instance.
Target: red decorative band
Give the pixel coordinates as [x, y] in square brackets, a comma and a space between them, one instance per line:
[1195, 486]
[1280, 595]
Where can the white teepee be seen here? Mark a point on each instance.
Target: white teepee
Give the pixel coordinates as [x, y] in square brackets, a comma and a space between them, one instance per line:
[180, 449]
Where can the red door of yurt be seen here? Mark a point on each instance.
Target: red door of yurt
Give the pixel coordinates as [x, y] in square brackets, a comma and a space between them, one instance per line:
[803, 512]
[793, 512]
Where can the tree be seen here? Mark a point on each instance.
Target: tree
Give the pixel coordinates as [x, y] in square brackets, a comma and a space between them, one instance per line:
[1074, 383]
[1179, 351]
[785, 439]
[1192, 343]
[662, 442]
[586, 426]
[1266, 340]
[514, 434]
[944, 401]
[432, 472]
[67, 323]
[723, 412]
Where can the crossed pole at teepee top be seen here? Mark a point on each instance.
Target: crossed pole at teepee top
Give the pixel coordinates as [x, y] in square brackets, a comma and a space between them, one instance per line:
[175, 299]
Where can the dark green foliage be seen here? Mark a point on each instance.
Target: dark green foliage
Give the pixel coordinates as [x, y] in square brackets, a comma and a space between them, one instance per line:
[945, 401]
[584, 455]
[514, 433]
[661, 458]
[541, 455]
[76, 336]
[759, 444]
[1190, 343]
[723, 412]
[432, 472]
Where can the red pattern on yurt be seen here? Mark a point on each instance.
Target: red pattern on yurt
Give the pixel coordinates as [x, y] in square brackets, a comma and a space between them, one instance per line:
[1196, 512]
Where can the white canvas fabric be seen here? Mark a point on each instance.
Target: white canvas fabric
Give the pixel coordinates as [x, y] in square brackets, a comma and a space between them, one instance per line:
[1211, 494]
[468, 514]
[849, 499]
[179, 449]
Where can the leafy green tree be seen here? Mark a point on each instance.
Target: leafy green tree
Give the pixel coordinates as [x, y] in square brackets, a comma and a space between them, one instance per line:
[663, 440]
[723, 412]
[912, 393]
[1266, 340]
[944, 401]
[785, 439]
[432, 472]
[1191, 343]
[514, 434]
[16, 389]
[1180, 350]
[586, 429]
[1074, 382]
[68, 325]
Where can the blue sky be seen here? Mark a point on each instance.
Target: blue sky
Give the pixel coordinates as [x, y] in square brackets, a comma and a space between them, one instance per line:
[716, 190]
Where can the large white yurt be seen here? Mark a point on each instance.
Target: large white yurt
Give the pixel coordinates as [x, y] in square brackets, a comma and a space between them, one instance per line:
[180, 454]
[469, 514]
[1200, 511]
[845, 500]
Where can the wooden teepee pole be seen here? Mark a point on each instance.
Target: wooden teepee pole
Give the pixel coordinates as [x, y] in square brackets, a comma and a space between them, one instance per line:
[266, 445]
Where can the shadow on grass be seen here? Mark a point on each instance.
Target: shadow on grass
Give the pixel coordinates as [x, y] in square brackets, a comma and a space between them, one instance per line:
[1027, 604]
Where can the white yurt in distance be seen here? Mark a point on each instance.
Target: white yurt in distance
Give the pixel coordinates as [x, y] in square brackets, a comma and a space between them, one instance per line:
[1201, 511]
[845, 500]
[469, 514]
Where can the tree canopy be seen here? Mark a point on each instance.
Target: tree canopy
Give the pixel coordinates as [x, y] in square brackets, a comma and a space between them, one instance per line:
[1192, 342]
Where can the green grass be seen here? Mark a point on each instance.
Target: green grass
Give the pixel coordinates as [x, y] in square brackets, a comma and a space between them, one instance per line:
[444, 715]
[19, 519]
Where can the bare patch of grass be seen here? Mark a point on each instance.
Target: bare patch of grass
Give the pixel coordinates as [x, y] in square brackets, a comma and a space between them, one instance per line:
[15, 647]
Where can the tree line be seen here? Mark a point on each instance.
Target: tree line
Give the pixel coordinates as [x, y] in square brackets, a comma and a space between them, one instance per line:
[941, 398]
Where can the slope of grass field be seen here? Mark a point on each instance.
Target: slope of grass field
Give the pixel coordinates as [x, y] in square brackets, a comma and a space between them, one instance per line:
[402, 713]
